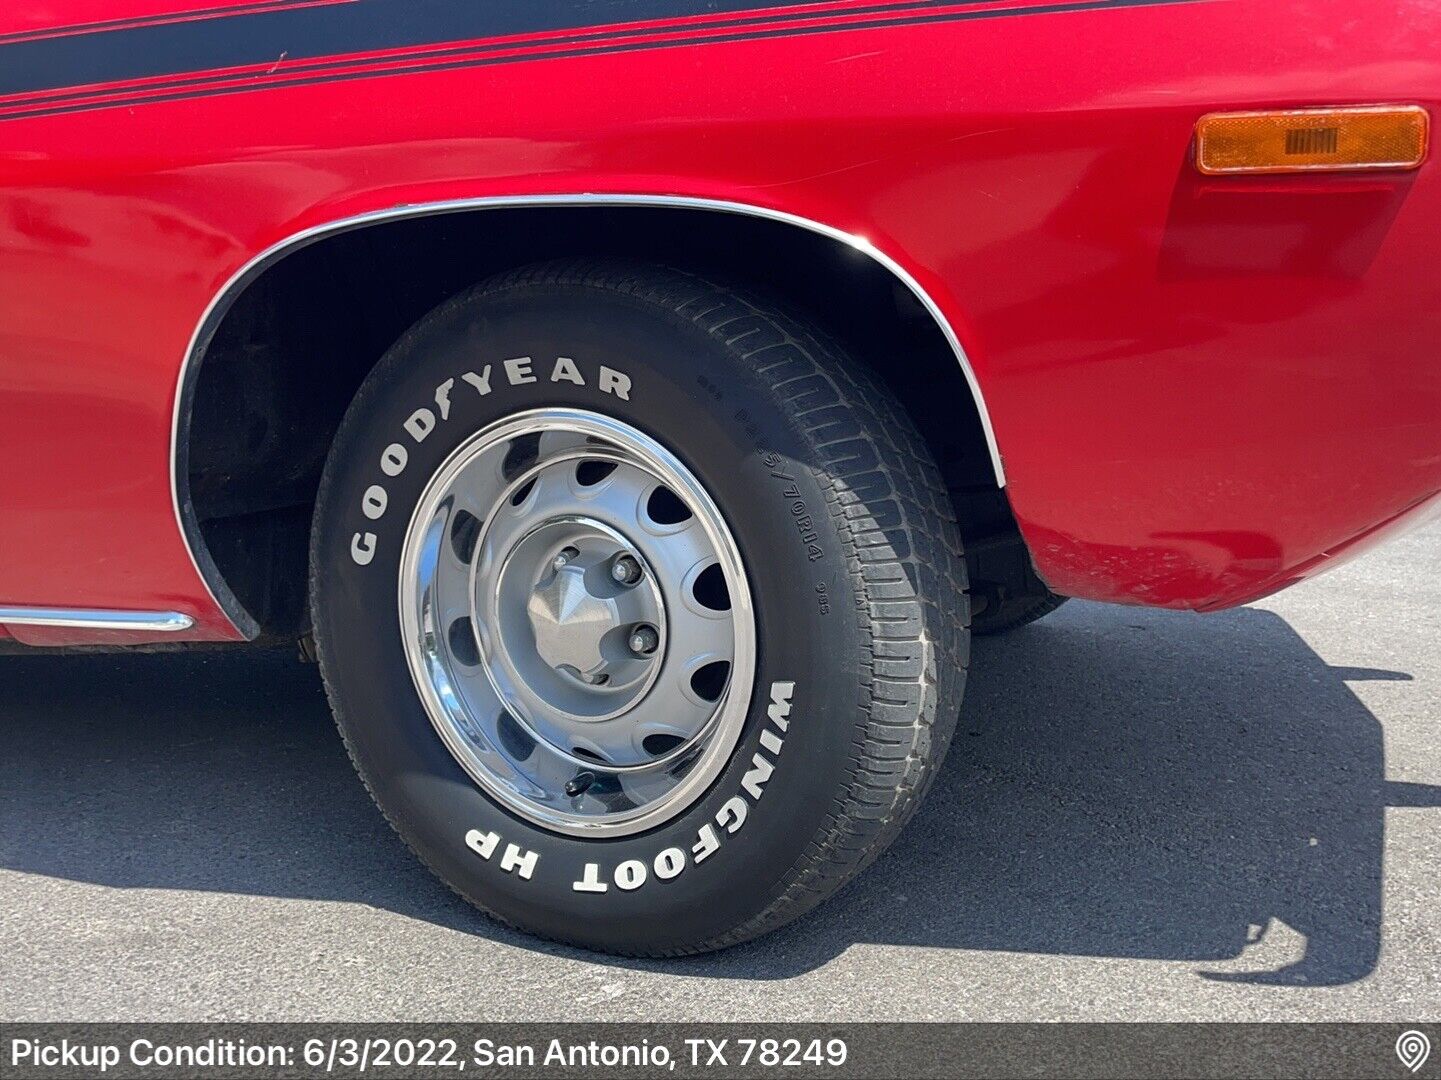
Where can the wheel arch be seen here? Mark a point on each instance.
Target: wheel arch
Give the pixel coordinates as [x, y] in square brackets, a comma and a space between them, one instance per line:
[253, 605]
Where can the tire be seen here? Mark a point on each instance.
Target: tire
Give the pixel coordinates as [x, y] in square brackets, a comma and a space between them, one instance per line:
[851, 559]
[1015, 612]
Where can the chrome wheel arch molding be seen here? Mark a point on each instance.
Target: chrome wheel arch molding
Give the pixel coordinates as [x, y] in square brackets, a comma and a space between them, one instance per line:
[219, 305]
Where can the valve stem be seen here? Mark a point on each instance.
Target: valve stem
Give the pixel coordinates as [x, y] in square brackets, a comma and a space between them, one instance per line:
[579, 783]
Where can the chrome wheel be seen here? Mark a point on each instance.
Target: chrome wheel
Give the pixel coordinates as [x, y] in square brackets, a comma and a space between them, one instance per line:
[578, 622]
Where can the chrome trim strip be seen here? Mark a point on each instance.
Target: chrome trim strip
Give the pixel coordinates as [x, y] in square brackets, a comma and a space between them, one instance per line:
[511, 202]
[162, 622]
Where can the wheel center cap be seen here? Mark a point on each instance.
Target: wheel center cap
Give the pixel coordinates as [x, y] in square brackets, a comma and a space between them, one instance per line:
[578, 622]
[569, 622]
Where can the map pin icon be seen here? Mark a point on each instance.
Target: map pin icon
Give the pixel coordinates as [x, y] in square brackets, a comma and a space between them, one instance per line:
[1413, 1048]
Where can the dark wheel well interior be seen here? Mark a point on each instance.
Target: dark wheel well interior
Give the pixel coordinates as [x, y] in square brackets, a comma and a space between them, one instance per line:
[281, 361]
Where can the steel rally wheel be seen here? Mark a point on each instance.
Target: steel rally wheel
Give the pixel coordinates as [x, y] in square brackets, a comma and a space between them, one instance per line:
[640, 606]
[578, 622]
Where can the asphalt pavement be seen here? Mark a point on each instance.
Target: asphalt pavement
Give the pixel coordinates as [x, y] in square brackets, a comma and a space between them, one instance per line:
[1148, 815]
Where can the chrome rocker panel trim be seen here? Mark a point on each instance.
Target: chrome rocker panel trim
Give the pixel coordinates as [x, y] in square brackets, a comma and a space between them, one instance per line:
[163, 622]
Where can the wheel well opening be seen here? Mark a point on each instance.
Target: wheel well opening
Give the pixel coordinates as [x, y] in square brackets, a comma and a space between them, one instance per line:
[281, 362]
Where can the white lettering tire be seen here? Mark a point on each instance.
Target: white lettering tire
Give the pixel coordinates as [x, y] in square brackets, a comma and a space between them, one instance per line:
[692, 819]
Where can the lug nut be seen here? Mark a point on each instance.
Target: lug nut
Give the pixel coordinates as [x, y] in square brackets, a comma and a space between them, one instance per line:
[564, 557]
[578, 784]
[625, 570]
[644, 639]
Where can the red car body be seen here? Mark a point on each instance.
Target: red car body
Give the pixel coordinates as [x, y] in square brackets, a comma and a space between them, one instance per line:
[1200, 389]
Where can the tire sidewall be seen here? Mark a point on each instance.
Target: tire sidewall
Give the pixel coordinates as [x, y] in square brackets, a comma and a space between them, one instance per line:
[703, 399]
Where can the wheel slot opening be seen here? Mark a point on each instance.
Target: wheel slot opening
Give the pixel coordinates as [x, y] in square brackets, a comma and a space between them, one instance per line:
[590, 473]
[664, 507]
[461, 637]
[520, 455]
[514, 738]
[464, 532]
[659, 743]
[522, 492]
[709, 681]
[710, 589]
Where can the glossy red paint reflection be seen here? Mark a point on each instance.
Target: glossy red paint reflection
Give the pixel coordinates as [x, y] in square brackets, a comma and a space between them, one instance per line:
[1201, 387]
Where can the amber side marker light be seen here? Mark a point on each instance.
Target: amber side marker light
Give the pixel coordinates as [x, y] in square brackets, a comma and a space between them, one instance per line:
[1312, 140]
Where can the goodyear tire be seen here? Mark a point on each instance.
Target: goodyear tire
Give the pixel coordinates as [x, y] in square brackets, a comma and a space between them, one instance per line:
[559, 501]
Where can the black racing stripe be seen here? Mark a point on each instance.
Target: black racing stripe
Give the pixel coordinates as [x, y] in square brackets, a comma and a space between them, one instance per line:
[553, 45]
[239, 7]
[262, 37]
[428, 61]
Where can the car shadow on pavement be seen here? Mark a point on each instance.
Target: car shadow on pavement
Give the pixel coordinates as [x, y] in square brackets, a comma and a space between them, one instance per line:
[1124, 783]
